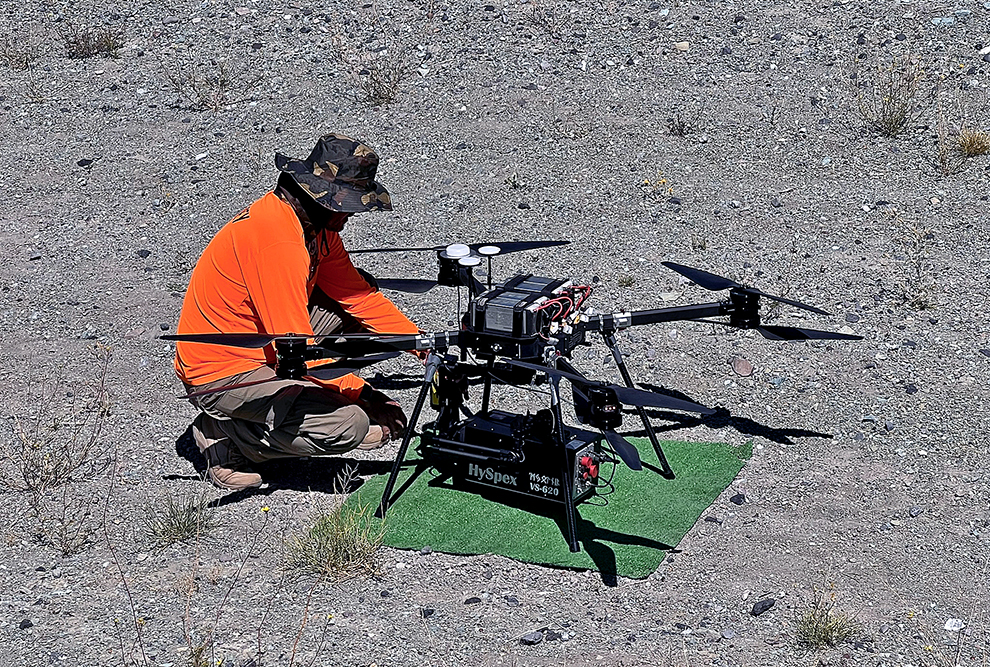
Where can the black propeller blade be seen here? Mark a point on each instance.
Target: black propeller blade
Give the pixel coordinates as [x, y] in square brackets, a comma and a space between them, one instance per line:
[326, 372]
[625, 450]
[346, 366]
[627, 395]
[710, 281]
[249, 340]
[795, 333]
[357, 345]
[504, 247]
[411, 285]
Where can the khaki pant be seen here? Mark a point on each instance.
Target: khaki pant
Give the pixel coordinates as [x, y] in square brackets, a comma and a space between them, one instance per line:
[282, 418]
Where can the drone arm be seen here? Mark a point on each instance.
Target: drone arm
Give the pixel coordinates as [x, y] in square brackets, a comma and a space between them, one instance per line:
[623, 320]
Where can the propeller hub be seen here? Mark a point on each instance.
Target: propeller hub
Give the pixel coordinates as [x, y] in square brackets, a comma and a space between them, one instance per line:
[290, 357]
[745, 313]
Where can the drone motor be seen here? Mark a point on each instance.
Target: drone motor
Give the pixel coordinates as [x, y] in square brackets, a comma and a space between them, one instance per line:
[598, 407]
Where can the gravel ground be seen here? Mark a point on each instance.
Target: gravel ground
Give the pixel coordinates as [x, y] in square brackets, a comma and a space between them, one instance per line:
[515, 120]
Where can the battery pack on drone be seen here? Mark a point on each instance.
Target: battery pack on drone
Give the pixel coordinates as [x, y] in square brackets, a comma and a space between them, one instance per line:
[511, 452]
[512, 309]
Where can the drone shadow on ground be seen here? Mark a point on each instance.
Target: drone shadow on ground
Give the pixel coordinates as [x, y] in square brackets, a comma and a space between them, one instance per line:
[330, 474]
[721, 418]
[592, 538]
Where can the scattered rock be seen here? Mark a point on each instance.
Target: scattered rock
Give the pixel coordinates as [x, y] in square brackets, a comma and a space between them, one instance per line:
[85, 162]
[512, 601]
[144, 254]
[728, 634]
[742, 367]
[762, 606]
[426, 612]
[910, 389]
[682, 46]
[532, 638]
[426, 551]
[25, 624]
[954, 625]
[737, 499]
[852, 317]
[473, 600]
[915, 512]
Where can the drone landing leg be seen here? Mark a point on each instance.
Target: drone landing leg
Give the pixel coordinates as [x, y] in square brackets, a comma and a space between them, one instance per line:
[486, 396]
[665, 469]
[432, 363]
[570, 507]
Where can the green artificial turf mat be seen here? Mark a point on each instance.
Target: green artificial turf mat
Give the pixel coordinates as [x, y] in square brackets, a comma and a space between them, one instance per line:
[645, 516]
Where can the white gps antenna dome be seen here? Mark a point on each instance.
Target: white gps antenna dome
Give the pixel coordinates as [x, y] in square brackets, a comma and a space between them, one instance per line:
[456, 250]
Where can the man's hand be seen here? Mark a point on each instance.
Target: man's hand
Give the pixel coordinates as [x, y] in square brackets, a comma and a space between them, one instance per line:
[385, 412]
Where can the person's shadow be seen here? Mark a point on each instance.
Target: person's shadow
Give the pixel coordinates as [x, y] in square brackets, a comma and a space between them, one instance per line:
[326, 474]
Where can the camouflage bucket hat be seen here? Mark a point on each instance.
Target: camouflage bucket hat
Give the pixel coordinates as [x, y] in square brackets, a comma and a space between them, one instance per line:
[340, 175]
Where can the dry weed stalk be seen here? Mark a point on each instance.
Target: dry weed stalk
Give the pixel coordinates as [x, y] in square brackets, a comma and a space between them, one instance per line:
[377, 74]
[211, 86]
[38, 90]
[679, 125]
[55, 447]
[551, 21]
[18, 53]
[918, 284]
[889, 99]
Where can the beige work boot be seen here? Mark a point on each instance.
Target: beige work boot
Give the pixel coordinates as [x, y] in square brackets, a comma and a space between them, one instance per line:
[376, 438]
[228, 468]
[234, 479]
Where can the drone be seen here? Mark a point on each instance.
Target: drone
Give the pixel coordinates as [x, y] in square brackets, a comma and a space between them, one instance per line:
[517, 332]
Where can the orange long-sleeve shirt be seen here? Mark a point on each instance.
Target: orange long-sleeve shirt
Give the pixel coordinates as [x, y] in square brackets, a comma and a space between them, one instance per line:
[256, 276]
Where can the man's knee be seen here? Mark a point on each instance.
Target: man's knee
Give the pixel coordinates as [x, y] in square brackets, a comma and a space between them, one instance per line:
[340, 431]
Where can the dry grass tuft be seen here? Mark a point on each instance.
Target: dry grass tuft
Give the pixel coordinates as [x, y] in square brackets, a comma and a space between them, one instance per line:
[822, 626]
[340, 541]
[86, 42]
[972, 142]
[179, 519]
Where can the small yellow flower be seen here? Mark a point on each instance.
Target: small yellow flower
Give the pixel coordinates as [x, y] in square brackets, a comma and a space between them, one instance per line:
[266, 508]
